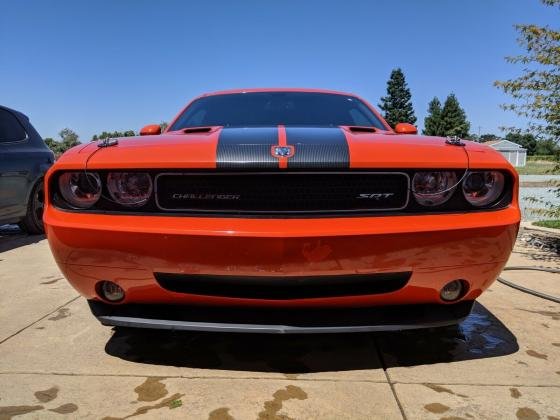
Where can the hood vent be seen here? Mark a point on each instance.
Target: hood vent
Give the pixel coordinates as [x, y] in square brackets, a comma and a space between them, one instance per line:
[194, 130]
[358, 129]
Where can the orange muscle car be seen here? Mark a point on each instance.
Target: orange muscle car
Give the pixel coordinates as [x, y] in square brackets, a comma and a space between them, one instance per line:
[281, 210]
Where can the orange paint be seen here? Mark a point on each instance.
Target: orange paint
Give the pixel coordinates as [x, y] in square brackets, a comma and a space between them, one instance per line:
[128, 249]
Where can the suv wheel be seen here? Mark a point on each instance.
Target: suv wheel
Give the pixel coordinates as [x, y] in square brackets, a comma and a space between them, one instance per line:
[33, 220]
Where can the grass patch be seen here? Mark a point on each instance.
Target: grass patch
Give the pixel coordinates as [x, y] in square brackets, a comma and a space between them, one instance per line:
[550, 158]
[553, 224]
[538, 167]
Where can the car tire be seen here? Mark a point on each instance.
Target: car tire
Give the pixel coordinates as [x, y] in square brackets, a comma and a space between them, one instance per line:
[32, 223]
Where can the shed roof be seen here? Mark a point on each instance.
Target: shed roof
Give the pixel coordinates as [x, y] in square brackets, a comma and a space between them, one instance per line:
[504, 145]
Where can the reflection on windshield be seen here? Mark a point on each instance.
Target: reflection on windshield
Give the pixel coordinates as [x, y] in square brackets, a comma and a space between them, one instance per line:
[255, 109]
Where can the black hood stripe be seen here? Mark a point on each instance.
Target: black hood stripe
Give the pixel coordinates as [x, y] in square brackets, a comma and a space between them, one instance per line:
[318, 147]
[314, 148]
[247, 148]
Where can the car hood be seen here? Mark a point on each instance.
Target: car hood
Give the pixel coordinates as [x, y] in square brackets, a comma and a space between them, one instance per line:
[311, 148]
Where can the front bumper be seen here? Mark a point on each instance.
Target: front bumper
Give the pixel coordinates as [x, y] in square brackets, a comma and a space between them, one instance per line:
[306, 321]
[130, 250]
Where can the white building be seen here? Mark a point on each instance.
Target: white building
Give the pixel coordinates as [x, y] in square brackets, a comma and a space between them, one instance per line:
[513, 152]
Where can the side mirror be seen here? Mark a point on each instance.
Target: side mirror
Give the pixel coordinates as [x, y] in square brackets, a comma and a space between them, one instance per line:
[150, 130]
[405, 128]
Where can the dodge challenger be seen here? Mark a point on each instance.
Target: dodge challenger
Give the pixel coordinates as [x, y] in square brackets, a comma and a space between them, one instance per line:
[281, 211]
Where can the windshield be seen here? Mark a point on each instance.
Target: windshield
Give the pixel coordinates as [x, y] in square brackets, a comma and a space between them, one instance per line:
[255, 109]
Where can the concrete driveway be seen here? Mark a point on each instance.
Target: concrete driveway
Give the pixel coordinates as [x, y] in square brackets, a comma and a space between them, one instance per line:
[56, 360]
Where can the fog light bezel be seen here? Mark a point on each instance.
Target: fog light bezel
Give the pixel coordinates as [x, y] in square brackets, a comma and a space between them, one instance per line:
[103, 294]
[464, 288]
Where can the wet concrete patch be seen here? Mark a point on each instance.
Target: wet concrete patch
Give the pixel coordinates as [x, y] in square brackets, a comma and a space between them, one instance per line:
[52, 281]
[536, 354]
[514, 392]
[169, 403]
[10, 411]
[484, 402]
[47, 395]
[65, 409]
[526, 413]
[272, 408]
[61, 314]
[439, 388]
[221, 413]
[151, 390]
[481, 335]
[436, 408]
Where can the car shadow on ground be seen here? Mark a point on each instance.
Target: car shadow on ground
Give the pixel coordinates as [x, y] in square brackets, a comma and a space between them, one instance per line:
[11, 237]
[480, 336]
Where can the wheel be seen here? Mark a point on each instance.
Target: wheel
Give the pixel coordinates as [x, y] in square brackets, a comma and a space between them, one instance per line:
[32, 223]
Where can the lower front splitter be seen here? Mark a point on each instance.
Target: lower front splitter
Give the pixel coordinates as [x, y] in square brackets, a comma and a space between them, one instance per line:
[285, 321]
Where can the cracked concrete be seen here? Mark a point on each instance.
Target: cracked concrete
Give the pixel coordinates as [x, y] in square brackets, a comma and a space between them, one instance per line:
[58, 361]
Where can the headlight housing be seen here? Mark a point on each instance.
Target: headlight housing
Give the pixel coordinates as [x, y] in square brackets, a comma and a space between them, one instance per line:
[433, 188]
[81, 190]
[482, 188]
[130, 189]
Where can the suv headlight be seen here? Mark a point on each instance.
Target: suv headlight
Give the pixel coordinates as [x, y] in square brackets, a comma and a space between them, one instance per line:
[481, 188]
[433, 188]
[81, 190]
[130, 189]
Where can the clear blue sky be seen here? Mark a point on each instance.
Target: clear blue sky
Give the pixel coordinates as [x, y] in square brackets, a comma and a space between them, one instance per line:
[121, 64]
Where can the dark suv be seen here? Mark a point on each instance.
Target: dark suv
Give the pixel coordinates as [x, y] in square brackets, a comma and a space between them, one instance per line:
[24, 159]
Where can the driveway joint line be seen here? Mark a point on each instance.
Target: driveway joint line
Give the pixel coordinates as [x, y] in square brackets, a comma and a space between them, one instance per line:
[477, 384]
[196, 377]
[384, 366]
[38, 320]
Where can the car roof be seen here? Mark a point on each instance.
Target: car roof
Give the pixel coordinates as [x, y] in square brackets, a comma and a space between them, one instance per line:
[13, 111]
[232, 91]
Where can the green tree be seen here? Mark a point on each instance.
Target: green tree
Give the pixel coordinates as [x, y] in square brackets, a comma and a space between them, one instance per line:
[488, 137]
[163, 125]
[433, 123]
[68, 139]
[51, 143]
[454, 119]
[113, 134]
[528, 141]
[536, 92]
[397, 105]
[547, 147]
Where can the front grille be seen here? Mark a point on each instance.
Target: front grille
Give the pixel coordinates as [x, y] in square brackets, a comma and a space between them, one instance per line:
[288, 192]
[283, 288]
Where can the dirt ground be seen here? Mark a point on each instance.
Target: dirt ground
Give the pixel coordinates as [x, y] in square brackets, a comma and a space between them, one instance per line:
[56, 360]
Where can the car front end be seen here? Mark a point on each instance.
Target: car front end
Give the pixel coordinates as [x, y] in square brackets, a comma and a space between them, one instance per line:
[287, 228]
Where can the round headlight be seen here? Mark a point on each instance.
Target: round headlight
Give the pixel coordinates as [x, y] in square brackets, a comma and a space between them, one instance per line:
[433, 188]
[130, 189]
[80, 189]
[483, 188]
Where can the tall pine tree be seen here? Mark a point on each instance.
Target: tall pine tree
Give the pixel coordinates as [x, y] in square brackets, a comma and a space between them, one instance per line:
[454, 119]
[396, 105]
[432, 123]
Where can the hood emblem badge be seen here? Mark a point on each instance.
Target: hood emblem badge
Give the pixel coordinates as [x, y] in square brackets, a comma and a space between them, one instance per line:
[283, 151]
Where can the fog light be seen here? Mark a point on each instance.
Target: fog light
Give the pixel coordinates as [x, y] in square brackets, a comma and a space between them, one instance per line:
[111, 291]
[452, 290]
